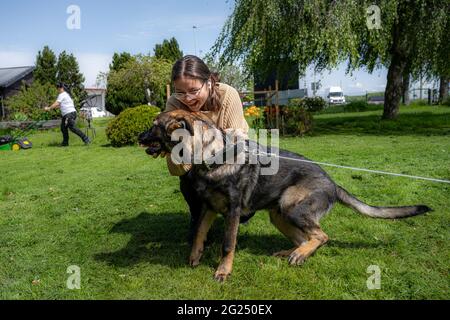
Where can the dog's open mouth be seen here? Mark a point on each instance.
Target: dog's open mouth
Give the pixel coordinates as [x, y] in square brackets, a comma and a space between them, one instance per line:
[153, 148]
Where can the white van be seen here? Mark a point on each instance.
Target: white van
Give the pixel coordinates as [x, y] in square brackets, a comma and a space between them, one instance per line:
[336, 95]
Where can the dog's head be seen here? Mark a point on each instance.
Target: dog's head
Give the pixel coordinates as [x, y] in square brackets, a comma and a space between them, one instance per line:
[159, 137]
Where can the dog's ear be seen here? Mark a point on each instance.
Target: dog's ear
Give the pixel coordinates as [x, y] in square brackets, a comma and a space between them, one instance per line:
[176, 124]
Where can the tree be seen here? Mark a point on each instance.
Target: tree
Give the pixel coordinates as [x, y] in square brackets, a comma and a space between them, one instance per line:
[45, 71]
[231, 74]
[442, 65]
[69, 74]
[326, 33]
[119, 60]
[31, 101]
[140, 81]
[169, 50]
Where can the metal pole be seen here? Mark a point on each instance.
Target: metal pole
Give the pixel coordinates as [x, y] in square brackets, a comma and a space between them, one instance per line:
[420, 88]
[3, 108]
[277, 108]
[195, 41]
[168, 91]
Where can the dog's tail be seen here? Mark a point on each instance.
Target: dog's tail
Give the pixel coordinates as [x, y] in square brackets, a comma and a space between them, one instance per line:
[351, 201]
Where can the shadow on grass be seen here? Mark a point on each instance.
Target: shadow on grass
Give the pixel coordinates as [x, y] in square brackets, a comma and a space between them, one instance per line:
[53, 144]
[155, 238]
[421, 123]
[162, 239]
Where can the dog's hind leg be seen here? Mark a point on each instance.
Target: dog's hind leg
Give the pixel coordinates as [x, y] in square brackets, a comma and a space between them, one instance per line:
[316, 238]
[305, 215]
[199, 239]
[290, 231]
[298, 219]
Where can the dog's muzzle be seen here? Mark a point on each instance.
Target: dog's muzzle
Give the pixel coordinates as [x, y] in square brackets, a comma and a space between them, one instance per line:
[154, 144]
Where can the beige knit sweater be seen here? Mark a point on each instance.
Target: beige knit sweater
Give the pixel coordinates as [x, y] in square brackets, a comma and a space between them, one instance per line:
[229, 116]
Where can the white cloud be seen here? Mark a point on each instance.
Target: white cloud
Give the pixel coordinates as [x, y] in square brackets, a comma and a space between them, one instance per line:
[16, 59]
[91, 64]
[357, 85]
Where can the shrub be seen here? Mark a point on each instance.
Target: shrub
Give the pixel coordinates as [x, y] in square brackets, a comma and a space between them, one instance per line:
[31, 100]
[19, 116]
[314, 104]
[356, 106]
[298, 120]
[270, 116]
[125, 128]
[141, 79]
[254, 118]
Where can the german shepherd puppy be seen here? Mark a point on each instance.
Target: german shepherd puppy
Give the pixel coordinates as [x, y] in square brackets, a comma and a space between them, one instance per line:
[297, 196]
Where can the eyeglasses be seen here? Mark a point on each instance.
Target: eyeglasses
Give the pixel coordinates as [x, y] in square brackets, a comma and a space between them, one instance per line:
[189, 95]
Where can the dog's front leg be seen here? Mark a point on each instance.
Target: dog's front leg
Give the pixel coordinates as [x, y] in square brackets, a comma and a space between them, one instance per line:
[206, 220]
[229, 245]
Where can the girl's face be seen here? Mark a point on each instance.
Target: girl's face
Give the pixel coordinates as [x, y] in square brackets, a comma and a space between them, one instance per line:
[192, 92]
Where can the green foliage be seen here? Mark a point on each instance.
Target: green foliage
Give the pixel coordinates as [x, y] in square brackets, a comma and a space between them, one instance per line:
[446, 101]
[119, 60]
[169, 50]
[45, 71]
[231, 73]
[419, 102]
[311, 104]
[413, 37]
[31, 101]
[314, 104]
[356, 106]
[19, 116]
[129, 86]
[69, 74]
[297, 120]
[125, 128]
[328, 32]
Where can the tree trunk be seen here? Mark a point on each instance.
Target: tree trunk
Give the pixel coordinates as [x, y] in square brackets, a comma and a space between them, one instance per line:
[394, 87]
[405, 94]
[443, 89]
[399, 62]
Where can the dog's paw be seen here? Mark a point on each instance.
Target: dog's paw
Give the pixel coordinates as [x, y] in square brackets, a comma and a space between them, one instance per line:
[194, 262]
[221, 276]
[296, 258]
[194, 259]
[283, 253]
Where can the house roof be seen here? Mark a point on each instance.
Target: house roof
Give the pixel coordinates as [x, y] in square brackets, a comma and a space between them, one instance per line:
[8, 76]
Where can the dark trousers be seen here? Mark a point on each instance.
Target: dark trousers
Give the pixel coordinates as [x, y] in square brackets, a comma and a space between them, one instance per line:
[68, 122]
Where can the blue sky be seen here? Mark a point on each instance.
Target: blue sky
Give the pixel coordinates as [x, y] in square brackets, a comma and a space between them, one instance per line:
[134, 26]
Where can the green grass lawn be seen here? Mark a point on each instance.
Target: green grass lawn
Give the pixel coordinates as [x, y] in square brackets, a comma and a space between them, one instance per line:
[119, 216]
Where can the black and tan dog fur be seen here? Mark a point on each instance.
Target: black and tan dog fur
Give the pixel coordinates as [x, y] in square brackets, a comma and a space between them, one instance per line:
[297, 196]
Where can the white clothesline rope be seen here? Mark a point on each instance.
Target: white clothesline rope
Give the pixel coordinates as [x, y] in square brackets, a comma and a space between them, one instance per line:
[361, 169]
